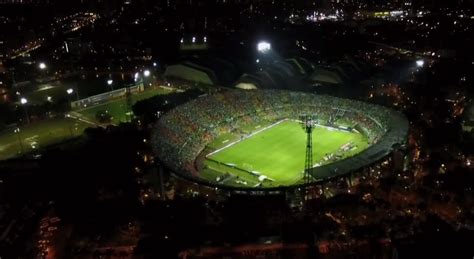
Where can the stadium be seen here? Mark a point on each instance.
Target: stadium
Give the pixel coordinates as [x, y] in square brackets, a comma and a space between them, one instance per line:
[254, 140]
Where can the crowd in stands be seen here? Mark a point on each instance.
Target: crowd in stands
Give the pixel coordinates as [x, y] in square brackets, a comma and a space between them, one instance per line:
[182, 133]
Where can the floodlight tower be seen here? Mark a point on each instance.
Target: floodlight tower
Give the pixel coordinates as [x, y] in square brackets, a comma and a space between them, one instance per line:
[308, 124]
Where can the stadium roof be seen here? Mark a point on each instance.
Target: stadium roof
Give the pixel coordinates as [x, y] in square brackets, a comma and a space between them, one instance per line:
[323, 75]
[190, 72]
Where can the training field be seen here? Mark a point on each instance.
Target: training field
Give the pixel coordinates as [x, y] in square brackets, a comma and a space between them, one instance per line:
[38, 135]
[118, 108]
[278, 153]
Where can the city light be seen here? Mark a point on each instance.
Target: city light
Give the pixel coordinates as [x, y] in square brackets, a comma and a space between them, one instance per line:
[110, 82]
[420, 63]
[23, 100]
[70, 91]
[263, 46]
[135, 77]
[42, 66]
[146, 73]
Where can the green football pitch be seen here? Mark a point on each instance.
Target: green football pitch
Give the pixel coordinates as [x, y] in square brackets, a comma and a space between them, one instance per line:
[118, 108]
[14, 142]
[278, 153]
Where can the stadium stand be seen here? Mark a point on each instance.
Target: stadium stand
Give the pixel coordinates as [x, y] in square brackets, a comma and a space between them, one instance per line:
[184, 132]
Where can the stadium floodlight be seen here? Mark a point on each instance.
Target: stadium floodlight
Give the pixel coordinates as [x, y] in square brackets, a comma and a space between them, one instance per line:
[42, 66]
[146, 73]
[70, 91]
[263, 46]
[110, 82]
[420, 63]
[23, 100]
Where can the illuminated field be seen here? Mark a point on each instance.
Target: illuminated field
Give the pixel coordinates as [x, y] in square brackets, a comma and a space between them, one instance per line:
[118, 109]
[37, 135]
[277, 153]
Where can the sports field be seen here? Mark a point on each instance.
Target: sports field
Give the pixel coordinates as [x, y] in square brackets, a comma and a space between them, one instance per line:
[43, 133]
[37, 135]
[278, 153]
[118, 108]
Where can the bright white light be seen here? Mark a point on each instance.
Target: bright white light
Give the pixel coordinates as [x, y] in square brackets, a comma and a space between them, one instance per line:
[42, 66]
[257, 61]
[194, 39]
[205, 39]
[110, 82]
[154, 64]
[263, 46]
[146, 73]
[49, 98]
[182, 40]
[23, 100]
[420, 63]
[70, 91]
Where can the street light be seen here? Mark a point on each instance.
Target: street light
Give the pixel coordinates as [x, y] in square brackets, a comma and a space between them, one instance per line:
[71, 90]
[146, 73]
[420, 63]
[42, 66]
[263, 47]
[17, 131]
[110, 83]
[135, 77]
[23, 102]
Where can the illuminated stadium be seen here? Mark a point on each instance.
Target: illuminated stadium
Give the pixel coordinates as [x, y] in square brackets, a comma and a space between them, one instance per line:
[254, 140]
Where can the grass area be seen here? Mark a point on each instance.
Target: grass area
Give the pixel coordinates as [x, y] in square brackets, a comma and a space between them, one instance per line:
[279, 153]
[40, 134]
[41, 94]
[118, 108]
[37, 135]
